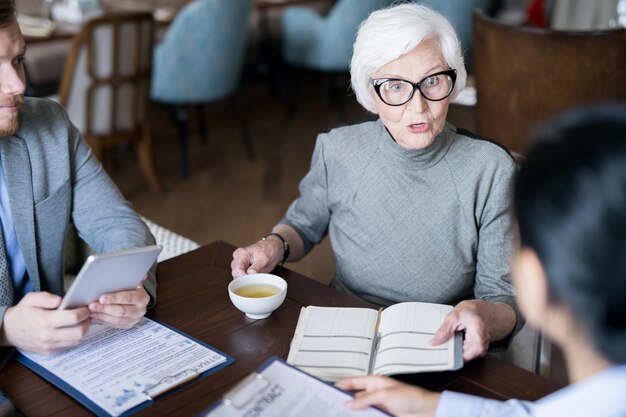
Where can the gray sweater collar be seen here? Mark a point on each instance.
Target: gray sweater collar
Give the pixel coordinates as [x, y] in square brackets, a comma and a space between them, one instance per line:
[415, 159]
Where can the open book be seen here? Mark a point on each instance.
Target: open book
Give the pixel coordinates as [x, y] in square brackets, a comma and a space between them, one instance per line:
[336, 342]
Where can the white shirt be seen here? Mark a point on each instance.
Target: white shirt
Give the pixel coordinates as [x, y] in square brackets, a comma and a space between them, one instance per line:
[601, 395]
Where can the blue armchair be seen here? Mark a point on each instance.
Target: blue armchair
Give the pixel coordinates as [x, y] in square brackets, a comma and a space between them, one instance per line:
[460, 15]
[201, 61]
[324, 43]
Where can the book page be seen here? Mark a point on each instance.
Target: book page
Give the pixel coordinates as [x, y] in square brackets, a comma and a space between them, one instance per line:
[333, 343]
[404, 332]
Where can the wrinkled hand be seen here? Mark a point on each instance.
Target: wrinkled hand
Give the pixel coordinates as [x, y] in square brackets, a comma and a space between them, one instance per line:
[395, 397]
[469, 316]
[121, 309]
[263, 256]
[35, 325]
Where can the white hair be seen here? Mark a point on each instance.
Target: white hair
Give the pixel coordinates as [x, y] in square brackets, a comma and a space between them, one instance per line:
[389, 33]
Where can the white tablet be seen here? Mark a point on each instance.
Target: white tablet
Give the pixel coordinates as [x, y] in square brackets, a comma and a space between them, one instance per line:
[109, 272]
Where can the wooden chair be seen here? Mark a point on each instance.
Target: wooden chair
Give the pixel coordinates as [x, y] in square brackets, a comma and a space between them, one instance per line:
[106, 84]
[525, 75]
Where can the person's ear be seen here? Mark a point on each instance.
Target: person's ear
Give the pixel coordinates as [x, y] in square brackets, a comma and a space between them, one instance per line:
[529, 279]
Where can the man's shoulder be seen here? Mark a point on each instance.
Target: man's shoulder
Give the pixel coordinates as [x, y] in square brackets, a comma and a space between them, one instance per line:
[37, 110]
[42, 116]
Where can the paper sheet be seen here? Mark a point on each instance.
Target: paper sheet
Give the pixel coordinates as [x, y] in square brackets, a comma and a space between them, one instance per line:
[113, 367]
[292, 393]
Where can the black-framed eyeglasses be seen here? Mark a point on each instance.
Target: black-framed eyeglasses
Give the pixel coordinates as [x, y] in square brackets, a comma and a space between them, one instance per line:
[396, 92]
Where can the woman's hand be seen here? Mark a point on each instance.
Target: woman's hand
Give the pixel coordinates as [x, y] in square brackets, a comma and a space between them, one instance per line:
[394, 397]
[483, 322]
[121, 309]
[263, 256]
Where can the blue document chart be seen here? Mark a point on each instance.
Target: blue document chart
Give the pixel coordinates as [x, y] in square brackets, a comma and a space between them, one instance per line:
[116, 372]
[278, 389]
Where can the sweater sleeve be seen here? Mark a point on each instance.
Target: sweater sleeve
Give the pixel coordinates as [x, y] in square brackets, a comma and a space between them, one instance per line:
[495, 245]
[309, 214]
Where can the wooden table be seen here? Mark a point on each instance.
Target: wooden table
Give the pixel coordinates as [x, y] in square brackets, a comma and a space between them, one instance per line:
[192, 296]
[64, 30]
[163, 10]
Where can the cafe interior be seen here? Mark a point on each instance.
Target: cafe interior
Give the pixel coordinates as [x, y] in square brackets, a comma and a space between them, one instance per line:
[227, 97]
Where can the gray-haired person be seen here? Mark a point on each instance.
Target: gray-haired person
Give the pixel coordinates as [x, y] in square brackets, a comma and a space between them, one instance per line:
[416, 209]
[570, 275]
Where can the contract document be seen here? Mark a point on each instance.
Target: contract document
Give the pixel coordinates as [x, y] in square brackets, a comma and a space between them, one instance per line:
[116, 372]
[277, 389]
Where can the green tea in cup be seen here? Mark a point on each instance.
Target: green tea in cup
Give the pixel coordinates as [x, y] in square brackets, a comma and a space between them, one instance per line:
[257, 290]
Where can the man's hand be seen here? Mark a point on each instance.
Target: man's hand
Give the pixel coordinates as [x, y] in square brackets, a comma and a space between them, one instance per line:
[35, 325]
[395, 397]
[121, 309]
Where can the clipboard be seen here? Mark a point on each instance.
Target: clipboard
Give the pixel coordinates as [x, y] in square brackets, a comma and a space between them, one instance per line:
[260, 394]
[162, 389]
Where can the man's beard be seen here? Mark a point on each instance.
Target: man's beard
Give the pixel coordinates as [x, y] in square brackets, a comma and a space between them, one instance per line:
[10, 122]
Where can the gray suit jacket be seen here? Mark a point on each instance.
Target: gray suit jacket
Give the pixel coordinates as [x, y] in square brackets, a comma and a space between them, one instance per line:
[53, 178]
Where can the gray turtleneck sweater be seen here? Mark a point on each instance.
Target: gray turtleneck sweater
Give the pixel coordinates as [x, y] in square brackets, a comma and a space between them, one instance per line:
[431, 225]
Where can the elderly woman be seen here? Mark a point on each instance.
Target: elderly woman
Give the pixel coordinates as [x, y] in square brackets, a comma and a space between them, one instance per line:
[416, 209]
[570, 275]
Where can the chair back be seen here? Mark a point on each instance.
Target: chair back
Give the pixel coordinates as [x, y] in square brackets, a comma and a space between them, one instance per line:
[460, 15]
[338, 31]
[107, 75]
[525, 75]
[325, 43]
[201, 58]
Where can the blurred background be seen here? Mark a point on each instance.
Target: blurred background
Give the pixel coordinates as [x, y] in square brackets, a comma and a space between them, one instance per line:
[205, 112]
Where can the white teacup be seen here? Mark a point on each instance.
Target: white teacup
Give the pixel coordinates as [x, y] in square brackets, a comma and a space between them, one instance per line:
[257, 295]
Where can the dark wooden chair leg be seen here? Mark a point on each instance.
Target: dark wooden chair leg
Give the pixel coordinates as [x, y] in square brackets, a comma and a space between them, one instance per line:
[336, 91]
[237, 104]
[202, 131]
[180, 116]
[146, 159]
[287, 91]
